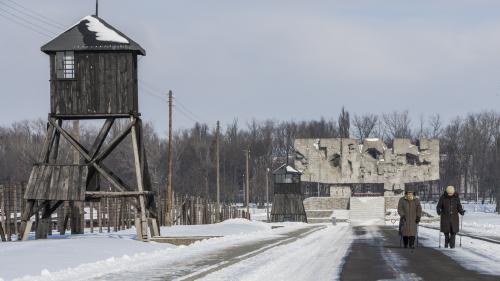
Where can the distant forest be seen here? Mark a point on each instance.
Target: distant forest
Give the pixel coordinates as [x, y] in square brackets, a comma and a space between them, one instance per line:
[470, 148]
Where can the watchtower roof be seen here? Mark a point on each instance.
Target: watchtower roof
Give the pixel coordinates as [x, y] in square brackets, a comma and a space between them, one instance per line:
[286, 169]
[92, 33]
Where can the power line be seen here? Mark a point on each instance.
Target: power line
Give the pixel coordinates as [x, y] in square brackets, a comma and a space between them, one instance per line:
[62, 26]
[186, 115]
[162, 98]
[25, 25]
[59, 27]
[33, 25]
[185, 108]
[153, 94]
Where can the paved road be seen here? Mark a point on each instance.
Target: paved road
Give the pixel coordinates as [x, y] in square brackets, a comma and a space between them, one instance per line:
[205, 264]
[376, 255]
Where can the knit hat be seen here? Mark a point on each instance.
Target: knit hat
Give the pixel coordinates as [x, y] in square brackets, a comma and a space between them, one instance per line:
[450, 190]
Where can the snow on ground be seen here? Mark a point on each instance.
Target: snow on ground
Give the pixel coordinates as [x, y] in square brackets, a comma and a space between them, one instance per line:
[74, 256]
[38, 256]
[320, 256]
[474, 254]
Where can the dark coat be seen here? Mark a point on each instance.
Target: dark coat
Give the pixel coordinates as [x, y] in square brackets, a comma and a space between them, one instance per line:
[410, 210]
[448, 208]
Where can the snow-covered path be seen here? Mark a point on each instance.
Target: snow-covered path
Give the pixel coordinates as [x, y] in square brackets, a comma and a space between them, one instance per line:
[318, 256]
[197, 264]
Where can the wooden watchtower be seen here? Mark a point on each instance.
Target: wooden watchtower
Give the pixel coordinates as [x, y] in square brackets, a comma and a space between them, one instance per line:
[93, 75]
[288, 199]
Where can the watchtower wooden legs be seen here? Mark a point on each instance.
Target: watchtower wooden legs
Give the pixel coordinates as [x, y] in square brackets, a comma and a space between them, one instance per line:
[49, 200]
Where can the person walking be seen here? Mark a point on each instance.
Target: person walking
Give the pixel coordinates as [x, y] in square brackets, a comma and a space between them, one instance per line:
[410, 211]
[448, 208]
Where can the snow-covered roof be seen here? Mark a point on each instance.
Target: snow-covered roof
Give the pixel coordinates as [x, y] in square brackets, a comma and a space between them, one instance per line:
[287, 169]
[92, 33]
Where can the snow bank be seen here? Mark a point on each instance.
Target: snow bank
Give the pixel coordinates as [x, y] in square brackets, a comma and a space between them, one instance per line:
[228, 227]
[39, 257]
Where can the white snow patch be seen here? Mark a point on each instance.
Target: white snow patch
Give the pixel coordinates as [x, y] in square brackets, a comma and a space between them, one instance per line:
[367, 199]
[474, 254]
[78, 256]
[103, 33]
[319, 256]
[290, 169]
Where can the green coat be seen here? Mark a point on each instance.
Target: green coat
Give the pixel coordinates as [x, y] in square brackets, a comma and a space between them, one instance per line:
[409, 210]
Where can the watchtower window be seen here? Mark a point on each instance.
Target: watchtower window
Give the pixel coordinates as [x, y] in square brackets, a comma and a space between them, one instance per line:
[65, 65]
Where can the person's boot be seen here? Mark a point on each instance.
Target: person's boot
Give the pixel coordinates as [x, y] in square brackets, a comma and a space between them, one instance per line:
[405, 241]
[446, 240]
[412, 242]
[452, 240]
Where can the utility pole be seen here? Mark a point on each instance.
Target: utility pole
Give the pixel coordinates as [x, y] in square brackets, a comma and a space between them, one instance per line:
[267, 194]
[217, 212]
[247, 178]
[170, 169]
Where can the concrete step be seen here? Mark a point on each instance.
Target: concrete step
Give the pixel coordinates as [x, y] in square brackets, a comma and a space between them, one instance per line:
[370, 210]
[318, 220]
[318, 213]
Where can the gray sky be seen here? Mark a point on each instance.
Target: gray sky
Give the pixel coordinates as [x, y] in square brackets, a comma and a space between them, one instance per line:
[278, 59]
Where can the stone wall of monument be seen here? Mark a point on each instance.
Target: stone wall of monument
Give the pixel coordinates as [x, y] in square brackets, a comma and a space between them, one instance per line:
[347, 161]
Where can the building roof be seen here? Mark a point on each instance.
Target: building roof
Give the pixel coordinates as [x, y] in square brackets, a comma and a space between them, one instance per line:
[92, 33]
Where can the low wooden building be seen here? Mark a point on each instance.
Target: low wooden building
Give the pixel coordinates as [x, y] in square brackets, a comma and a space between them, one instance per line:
[288, 198]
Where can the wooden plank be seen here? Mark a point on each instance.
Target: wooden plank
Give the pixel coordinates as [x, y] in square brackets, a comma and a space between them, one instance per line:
[31, 183]
[71, 183]
[39, 181]
[83, 180]
[139, 177]
[27, 229]
[54, 183]
[101, 137]
[65, 182]
[111, 194]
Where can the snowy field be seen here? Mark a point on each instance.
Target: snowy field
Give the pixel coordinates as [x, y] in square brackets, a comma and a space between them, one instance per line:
[71, 257]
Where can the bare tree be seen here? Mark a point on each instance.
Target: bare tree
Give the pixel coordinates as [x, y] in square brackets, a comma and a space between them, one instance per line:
[364, 125]
[344, 123]
[397, 124]
[435, 126]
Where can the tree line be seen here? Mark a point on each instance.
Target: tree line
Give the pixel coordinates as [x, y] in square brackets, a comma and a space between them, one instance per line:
[469, 144]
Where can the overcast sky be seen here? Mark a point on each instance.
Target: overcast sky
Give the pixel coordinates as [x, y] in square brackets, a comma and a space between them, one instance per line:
[276, 59]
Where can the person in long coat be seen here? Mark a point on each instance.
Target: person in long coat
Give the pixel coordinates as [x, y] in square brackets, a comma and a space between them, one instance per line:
[448, 208]
[410, 211]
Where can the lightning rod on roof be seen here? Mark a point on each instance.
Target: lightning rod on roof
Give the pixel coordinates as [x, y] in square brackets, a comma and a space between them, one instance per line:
[96, 8]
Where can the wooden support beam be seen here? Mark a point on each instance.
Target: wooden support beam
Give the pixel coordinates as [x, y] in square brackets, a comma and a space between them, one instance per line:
[109, 194]
[106, 173]
[93, 116]
[83, 151]
[113, 143]
[25, 220]
[101, 137]
[140, 182]
[44, 153]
